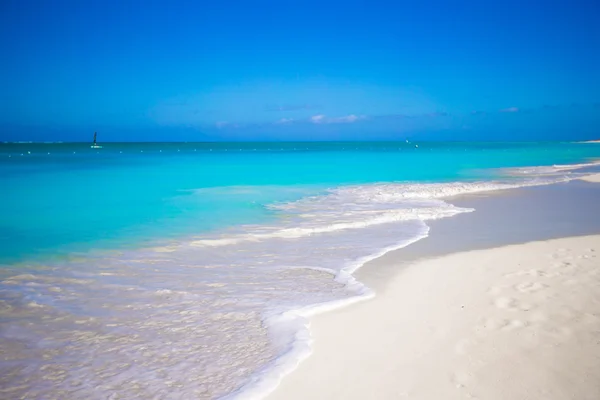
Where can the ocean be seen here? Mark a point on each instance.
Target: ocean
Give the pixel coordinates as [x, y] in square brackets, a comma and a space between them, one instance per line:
[187, 270]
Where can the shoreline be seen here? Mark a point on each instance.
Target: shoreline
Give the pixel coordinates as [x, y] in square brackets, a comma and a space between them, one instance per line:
[325, 333]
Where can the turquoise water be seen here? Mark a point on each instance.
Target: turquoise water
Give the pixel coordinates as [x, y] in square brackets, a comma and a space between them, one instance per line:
[187, 270]
[59, 198]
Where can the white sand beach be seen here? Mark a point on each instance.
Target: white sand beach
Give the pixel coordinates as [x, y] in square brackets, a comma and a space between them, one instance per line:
[517, 322]
[514, 322]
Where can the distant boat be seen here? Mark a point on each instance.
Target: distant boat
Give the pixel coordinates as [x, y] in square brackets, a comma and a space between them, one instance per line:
[95, 145]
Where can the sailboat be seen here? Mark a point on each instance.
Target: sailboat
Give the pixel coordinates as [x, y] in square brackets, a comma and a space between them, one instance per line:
[95, 145]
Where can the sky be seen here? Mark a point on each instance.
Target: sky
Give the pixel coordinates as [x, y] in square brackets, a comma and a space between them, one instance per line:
[299, 70]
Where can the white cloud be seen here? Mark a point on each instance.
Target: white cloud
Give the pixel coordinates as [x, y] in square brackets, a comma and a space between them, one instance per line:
[510, 110]
[284, 121]
[221, 124]
[317, 119]
[348, 119]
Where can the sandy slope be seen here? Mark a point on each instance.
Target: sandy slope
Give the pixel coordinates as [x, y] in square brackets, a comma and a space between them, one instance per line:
[517, 322]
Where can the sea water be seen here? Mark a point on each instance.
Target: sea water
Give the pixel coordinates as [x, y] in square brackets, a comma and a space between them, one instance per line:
[187, 270]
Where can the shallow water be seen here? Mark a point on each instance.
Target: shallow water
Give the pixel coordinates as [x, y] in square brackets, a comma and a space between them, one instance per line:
[173, 270]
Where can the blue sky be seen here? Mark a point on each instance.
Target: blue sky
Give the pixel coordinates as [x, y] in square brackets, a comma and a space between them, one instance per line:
[299, 70]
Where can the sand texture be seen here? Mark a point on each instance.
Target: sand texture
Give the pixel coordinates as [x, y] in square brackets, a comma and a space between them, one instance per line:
[516, 322]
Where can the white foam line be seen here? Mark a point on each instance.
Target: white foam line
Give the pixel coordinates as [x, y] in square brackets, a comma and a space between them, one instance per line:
[266, 381]
[555, 168]
[577, 166]
[385, 217]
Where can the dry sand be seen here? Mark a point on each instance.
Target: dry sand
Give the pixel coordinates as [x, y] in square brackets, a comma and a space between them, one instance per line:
[516, 322]
[592, 178]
